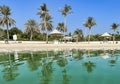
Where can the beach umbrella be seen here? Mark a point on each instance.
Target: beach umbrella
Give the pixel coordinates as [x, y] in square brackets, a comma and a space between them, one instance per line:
[106, 35]
[55, 32]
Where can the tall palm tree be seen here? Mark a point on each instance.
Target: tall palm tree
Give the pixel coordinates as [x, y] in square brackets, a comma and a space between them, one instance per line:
[89, 23]
[46, 23]
[65, 11]
[31, 27]
[5, 19]
[114, 28]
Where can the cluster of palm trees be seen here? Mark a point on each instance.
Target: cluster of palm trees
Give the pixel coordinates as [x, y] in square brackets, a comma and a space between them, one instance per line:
[31, 25]
[46, 22]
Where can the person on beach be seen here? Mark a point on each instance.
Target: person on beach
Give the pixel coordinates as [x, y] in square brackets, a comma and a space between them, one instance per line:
[15, 37]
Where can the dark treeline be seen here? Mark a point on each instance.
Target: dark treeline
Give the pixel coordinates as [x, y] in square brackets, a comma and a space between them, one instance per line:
[38, 36]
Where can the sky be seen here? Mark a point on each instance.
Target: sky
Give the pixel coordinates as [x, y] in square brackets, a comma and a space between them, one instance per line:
[105, 12]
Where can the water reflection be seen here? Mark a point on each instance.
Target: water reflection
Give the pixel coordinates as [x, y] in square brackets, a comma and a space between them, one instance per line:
[62, 60]
[89, 64]
[10, 70]
[65, 76]
[113, 58]
[33, 62]
[56, 65]
[47, 69]
[78, 54]
[105, 55]
[16, 56]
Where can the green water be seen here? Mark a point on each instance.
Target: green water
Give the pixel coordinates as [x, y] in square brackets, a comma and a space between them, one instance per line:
[60, 67]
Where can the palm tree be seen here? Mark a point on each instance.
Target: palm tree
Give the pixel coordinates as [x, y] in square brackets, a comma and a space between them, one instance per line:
[60, 27]
[5, 19]
[114, 28]
[31, 27]
[89, 23]
[79, 34]
[46, 23]
[65, 11]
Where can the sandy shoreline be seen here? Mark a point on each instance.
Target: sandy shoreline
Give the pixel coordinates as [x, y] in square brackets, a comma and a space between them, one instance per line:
[32, 46]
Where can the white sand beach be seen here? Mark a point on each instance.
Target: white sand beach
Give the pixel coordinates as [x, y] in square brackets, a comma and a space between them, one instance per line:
[39, 46]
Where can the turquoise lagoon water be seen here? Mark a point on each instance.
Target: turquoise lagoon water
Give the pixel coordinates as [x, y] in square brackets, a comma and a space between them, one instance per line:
[60, 67]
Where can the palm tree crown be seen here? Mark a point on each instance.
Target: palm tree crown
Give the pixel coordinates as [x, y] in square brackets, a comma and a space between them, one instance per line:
[79, 34]
[31, 27]
[60, 27]
[47, 23]
[5, 20]
[43, 11]
[114, 26]
[90, 22]
[66, 10]
[5, 10]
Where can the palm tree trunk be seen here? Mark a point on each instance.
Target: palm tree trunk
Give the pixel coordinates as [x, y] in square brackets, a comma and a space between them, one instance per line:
[85, 34]
[88, 54]
[77, 39]
[46, 30]
[89, 35]
[114, 37]
[46, 36]
[31, 36]
[7, 32]
[64, 27]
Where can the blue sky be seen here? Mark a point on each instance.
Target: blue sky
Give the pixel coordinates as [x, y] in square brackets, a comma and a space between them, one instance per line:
[105, 12]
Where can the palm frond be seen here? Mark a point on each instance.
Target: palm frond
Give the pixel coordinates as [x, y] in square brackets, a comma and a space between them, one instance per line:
[90, 22]
[66, 10]
[114, 26]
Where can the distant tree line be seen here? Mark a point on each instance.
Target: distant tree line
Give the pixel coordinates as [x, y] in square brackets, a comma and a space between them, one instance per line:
[38, 36]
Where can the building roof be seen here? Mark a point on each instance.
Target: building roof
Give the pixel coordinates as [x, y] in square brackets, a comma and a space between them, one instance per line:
[55, 32]
[106, 35]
